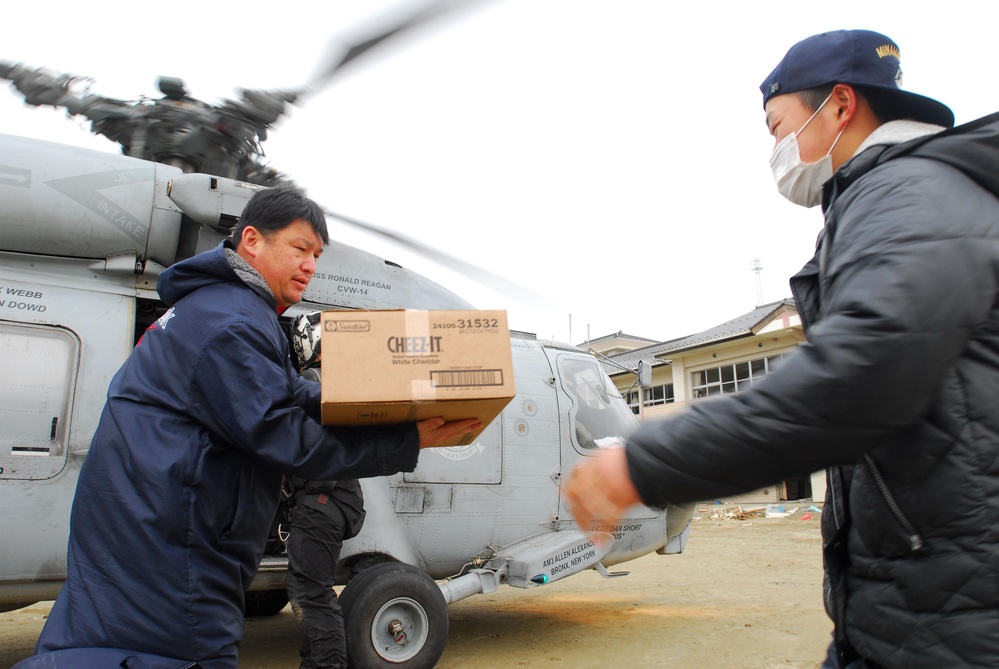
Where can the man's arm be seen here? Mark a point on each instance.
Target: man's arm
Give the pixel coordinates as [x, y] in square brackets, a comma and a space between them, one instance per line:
[308, 395]
[242, 391]
[906, 286]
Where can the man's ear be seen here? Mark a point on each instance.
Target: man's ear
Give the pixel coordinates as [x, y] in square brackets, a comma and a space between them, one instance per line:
[844, 100]
[250, 241]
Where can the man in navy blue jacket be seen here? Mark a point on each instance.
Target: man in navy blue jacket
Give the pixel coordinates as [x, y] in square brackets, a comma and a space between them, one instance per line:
[181, 483]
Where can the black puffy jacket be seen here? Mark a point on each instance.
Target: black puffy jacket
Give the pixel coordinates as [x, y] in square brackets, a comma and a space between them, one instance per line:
[897, 390]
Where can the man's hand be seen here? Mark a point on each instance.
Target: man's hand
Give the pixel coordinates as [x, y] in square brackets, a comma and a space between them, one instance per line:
[600, 489]
[435, 431]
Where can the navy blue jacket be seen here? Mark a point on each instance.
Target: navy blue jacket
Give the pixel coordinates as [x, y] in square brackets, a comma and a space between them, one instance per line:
[181, 483]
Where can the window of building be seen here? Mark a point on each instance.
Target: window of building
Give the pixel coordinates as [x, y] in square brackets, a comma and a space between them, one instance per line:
[653, 396]
[732, 378]
[659, 395]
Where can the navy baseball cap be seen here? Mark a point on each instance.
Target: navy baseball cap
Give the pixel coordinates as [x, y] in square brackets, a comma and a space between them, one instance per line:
[858, 58]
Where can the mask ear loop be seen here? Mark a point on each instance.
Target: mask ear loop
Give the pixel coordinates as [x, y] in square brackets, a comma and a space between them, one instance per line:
[836, 140]
[814, 114]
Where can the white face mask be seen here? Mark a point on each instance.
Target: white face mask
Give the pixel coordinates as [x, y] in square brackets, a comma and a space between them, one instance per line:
[798, 181]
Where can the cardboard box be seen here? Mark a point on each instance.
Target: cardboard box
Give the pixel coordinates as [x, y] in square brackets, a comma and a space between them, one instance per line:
[383, 367]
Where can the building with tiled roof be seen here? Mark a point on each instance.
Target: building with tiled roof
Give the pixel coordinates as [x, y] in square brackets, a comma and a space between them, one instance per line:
[724, 359]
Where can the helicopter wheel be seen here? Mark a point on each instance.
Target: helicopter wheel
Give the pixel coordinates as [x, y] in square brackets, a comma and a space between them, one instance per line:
[395, 618]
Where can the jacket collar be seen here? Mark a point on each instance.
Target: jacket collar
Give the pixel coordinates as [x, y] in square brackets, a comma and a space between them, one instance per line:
[972, 148]
[248, 275]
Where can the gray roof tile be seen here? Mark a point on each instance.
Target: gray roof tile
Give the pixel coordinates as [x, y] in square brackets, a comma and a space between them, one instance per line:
[741, 326]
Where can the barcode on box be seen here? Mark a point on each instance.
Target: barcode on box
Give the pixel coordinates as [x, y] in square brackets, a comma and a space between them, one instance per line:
[462, 378]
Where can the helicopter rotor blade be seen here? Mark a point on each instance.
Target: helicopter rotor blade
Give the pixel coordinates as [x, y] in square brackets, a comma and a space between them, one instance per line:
[485, 277]
[426, 12]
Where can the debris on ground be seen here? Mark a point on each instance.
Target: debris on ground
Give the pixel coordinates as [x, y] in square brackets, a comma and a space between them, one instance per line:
[741, 512]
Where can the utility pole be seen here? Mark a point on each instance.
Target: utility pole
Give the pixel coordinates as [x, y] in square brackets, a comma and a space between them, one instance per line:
[758, 269]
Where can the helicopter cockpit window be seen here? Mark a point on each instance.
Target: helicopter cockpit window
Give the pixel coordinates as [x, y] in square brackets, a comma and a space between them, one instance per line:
[39, 365]
[599, 414]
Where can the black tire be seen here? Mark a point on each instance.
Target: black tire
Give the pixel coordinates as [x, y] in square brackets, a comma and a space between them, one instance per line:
[397, 594]
[264, 603]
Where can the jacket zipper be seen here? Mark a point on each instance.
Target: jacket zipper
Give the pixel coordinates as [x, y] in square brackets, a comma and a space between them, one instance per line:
[915, 540]
[832, 498]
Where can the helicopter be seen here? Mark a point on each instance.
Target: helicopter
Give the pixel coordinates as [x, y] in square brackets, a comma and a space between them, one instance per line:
[85, 235]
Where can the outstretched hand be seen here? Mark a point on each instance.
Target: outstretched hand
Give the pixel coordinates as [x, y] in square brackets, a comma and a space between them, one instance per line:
[437, 431]
[600, 489]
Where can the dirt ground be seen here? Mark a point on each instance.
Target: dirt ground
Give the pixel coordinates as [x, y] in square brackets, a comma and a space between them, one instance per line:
[746, 594]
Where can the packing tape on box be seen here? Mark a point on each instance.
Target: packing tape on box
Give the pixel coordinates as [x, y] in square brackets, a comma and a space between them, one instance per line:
[418, 325]
[417, 329]
[423, 390]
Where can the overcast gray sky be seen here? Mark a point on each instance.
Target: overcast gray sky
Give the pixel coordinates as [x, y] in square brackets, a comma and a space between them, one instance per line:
[612, 155]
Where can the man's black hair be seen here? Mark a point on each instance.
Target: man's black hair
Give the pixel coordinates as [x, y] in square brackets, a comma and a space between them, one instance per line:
[274, 209]
[882, 102]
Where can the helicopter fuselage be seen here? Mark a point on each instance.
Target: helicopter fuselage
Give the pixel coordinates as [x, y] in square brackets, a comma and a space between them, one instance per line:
[83, 237]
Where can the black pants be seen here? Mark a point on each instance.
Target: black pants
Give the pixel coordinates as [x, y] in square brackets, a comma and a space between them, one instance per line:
[314, 544]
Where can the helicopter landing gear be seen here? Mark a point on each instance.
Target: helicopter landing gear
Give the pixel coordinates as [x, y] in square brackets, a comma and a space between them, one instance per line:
[395, 618]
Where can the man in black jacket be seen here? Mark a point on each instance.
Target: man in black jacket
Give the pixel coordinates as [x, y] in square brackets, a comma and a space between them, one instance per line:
[896, 389]
[324, 513]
